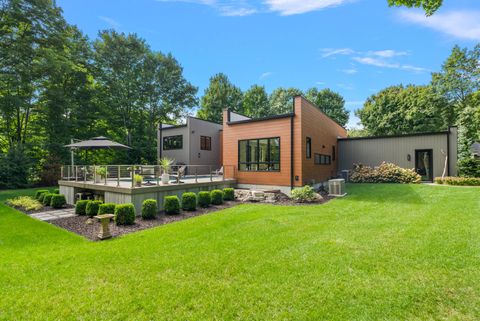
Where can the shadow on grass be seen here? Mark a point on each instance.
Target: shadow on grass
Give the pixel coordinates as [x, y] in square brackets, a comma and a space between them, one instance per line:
[382, 193]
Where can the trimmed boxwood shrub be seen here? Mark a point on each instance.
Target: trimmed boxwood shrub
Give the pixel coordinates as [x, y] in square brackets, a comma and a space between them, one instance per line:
[58, 201]
[81, 207]
[92, 208]
[107, 208]
[125, 214]
[56, 191]
[458, 181]
[39, 192]
[216, 197]
[47, 198]
[189, 201]
[171, 204]
[204, 199]
[228, 194]
[149, 209]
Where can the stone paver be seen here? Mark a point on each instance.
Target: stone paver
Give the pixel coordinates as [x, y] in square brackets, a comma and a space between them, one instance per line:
[54, 215]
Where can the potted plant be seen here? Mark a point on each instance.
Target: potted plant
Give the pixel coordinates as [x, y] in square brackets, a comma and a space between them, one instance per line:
[101, 174]
[138, 180]
[165, 164]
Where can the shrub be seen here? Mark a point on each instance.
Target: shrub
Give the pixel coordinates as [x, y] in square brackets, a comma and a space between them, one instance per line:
[39, 192]
[304, 194]
[56, 191]
[469, 167]
[92, 208]
[27, 203]
[204, 199]
[41, 196]
[107, 208]
[189, 201]
[216, 197]
[171, 204]
[228, 194]
[149, 209]
[47, 198]
[81, 207]
[459, 181]
[125, 214]
[58, 201]
[385, 173]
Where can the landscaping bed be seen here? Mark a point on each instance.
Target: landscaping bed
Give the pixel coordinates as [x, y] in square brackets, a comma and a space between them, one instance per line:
[89, 228]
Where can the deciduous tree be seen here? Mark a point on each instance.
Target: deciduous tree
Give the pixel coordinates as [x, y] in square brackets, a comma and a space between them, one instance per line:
[331, 103]
[255, 102]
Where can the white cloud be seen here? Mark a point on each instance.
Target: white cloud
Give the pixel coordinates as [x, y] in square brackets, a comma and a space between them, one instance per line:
[382, 63]
[292, 7]
[459, 24]
[229, 8]
[266, 74]
[350, 71]
[320, 83]
[111, 22]
[328, 52]
[388, 53]
[231, 11]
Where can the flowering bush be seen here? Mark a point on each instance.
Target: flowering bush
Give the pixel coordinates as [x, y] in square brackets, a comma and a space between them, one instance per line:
[385, 173]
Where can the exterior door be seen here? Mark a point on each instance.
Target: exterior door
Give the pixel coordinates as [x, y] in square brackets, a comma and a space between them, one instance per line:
[424, 164]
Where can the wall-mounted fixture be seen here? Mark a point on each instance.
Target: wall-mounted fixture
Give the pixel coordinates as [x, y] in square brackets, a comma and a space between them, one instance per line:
[409, 157]
[323, 146]
[198, 155]
[297, 178]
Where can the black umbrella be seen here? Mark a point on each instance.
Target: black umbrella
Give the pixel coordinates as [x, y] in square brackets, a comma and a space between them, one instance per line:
[97, 143]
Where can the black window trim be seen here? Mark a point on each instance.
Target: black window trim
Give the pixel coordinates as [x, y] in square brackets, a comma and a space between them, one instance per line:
[308, 148]
[258, 163]
[322, 157]
[207, 147]
[170, 137]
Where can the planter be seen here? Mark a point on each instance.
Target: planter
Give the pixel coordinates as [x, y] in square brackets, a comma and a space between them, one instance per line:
[165, 178]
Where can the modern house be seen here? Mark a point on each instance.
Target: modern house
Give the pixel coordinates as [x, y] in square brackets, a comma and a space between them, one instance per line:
[430, 154]
[283, 151]
[197, 142]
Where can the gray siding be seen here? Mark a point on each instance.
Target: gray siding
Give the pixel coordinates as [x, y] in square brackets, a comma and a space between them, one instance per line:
[180, 155]
[198, 128]
[374, 151]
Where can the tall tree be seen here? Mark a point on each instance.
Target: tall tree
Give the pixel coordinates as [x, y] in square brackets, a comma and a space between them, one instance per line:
[220, 94]
[402, 110]
[255, 102]
[429, 6]
[469, 125]
[330, 102]
[281, 100]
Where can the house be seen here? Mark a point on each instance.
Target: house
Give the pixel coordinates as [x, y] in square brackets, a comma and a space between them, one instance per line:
[197, 142]
[425, 152]
[283, 151]
[475, 148]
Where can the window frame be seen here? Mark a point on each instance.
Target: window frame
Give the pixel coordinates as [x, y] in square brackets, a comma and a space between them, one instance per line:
[205, 143]
[334, 153]
[308, 148]
[322, 159]
[269, 163]
[166, 138]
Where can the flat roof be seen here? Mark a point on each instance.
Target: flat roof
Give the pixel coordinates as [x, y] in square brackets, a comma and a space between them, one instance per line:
[251, 120]
[445, 132]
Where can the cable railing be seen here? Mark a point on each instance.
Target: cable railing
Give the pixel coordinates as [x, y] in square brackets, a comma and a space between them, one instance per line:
[145, 175]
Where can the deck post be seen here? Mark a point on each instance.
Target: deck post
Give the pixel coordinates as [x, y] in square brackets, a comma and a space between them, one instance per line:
[118, 176]
[211, 174]
[61, 172]
[94, 174]
[68, 172]
[84, 173]
[159, 173]
[133, 176]
[106, 174]
[76, 173]
[196, 175]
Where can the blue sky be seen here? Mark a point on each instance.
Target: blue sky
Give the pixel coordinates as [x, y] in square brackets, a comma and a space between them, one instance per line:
[354, 47]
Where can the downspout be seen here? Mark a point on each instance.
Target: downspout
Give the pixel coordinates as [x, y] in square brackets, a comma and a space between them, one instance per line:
[448, 151]
[292, 174]
[159, 142]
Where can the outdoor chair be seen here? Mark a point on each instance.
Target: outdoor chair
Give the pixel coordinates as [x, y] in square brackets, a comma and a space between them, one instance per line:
[218, 172]
[148, 173]
[179, 174]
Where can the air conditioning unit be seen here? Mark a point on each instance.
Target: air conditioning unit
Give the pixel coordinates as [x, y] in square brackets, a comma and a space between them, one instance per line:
[336, 187]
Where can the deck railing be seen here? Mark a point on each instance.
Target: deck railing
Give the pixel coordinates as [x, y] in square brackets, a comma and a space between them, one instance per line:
[123, 175]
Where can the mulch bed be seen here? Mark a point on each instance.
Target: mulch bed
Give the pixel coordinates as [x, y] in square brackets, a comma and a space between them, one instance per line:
[78, 224]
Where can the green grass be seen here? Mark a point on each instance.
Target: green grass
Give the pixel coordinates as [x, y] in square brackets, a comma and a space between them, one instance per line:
[385, 252]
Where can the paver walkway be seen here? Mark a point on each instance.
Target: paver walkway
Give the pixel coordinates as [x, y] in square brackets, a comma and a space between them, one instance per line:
[54, 215]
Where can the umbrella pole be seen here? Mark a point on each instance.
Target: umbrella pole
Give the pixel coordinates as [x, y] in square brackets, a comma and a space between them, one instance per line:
[71, 153]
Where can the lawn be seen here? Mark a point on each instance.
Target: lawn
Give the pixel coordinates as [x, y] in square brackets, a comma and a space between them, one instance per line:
[385, 252]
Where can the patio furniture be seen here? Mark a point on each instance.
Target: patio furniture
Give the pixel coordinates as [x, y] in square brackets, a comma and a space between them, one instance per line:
[179, 174]
[148, 173]
[218, 171]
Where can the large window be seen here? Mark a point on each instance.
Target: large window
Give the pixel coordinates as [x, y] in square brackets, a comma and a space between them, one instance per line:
[259, 154]
[172, 142]
[309, 147]
[205, 143]
[321, 159]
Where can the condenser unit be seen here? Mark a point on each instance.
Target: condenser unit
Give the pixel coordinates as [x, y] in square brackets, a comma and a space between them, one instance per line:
[336, 187]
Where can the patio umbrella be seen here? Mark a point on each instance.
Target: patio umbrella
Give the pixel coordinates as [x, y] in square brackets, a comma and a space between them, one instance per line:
[96, 143]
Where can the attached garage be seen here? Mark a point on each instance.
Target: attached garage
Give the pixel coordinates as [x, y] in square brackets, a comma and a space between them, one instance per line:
[424, 152]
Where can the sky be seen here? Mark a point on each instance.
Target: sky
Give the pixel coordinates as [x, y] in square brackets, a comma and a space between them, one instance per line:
[354, 47]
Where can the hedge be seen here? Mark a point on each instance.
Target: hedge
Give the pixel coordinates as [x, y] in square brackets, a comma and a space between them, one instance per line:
[39, 192]
[107, 208]
[125, 214]
[56, 191]
[216, 197]
[189, 201]
[204, 199]
[458, 181]
[92, 208]
[149, 209]
[228, 194]
[81, 207]
[47, 198]
[58, 201]
[385, 173]
[171, 204]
